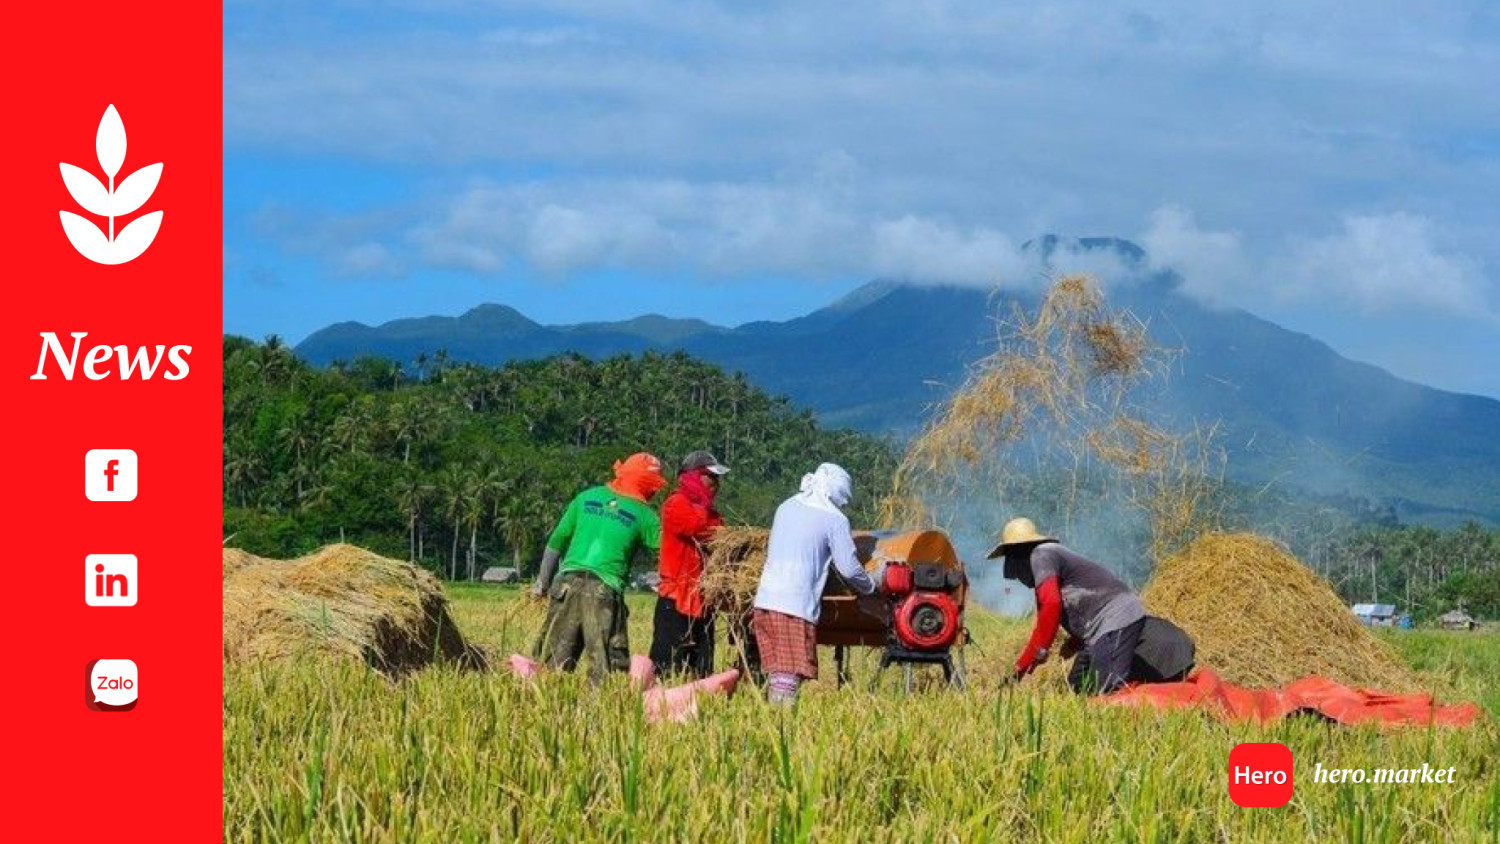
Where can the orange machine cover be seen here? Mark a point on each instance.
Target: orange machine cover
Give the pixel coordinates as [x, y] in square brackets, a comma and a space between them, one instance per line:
[842, 622]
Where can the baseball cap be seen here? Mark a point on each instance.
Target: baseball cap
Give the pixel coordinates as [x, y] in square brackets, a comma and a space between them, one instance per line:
[703, 460]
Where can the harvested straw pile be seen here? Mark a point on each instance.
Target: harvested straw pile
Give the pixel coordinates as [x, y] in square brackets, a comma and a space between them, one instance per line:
[731, 570]
[1262, 618]
[341, 602]
[235, 559]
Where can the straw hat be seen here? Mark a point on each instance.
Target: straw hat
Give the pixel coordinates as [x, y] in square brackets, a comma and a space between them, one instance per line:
[1018, 532]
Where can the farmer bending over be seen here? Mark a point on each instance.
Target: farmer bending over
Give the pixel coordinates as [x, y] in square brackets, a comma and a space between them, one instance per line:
[808, 532]
[600, 532]
[683, 628]
[1119, 643]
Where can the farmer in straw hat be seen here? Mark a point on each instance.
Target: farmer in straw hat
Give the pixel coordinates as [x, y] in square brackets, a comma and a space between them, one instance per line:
[683, 628]
[808, 532]
[602, 529]
[1116, 642]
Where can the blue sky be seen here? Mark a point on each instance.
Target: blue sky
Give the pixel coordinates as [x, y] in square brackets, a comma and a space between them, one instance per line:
[1332, 166]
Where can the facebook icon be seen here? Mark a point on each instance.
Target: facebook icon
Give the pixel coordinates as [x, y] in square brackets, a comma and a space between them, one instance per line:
[109, 474]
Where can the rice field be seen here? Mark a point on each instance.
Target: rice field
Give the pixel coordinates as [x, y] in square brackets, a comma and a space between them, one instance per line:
[320, 753]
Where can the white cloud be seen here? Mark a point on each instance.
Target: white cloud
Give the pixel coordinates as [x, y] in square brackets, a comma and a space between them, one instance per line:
[1212, 264]
[576, 136]
[546, 37]
[1107, 266]
[366, 260]
[1384, 263]
[674, 137]
[818, 225]
[925, 250]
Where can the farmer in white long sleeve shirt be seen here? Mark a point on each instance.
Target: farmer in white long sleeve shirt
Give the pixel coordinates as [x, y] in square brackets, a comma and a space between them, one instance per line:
[809, 532]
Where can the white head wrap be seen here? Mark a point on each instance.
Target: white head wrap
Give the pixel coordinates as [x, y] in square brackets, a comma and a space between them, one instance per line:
[827, 488]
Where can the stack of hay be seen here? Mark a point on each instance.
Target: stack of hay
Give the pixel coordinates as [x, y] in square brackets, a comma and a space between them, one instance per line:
[1262, 618]
[731, 569]
[343, 602]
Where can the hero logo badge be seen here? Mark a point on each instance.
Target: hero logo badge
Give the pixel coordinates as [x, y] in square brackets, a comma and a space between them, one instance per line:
[110, 201]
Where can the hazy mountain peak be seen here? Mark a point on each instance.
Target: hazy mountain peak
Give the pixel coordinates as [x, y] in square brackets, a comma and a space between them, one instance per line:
[656, 328]
[496, 318]
[1048, 246]
[1290, 410]
[866, 294]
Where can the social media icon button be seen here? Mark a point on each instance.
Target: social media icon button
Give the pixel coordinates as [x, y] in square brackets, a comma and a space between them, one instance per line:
[113, 685]
[109, 474]
[110, 580]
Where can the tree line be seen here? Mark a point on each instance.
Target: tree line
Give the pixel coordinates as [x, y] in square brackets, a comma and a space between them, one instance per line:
[1420, 569]
[458, 466]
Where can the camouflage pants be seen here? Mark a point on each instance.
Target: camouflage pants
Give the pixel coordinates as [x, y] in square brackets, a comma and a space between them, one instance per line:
[584, 616]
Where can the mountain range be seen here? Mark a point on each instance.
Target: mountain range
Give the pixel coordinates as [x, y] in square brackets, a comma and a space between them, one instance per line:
[1291, 411]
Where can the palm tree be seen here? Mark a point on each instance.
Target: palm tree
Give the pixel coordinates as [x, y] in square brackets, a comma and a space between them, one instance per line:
[453, 485]
[485, 486]
[277, 364]
[350, 430]
[473, 512]
[411, 498]
[410, 423]
[242, 467]
[298, 436]
[512, 520]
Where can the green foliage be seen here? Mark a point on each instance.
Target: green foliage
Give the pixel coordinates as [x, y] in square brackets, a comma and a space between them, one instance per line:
[464, 466]
[1422, 570]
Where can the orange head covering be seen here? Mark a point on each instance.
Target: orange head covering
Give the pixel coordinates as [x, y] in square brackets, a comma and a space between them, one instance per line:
[638, 476]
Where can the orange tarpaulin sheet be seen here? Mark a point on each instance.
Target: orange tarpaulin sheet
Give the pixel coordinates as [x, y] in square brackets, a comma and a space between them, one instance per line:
[1319, 695]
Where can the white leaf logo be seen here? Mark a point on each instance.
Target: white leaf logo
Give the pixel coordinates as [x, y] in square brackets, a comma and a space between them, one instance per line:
[109, 201]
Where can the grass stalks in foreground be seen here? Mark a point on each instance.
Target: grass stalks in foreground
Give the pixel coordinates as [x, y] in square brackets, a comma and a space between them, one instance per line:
[313, 753]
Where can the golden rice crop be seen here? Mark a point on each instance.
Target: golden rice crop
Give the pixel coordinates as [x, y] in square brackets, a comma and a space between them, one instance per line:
[314, 752]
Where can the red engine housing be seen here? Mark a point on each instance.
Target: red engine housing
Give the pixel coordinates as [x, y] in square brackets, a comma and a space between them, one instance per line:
[926, 621]
[898, 580]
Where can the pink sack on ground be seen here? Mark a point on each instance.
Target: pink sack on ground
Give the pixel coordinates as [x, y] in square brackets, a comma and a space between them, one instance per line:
[677, 704]
[642, 672]
[525, 667]
[680, 703]
[723, 683]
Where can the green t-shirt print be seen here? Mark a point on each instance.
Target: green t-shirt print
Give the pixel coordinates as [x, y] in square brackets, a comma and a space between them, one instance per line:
[601, 531]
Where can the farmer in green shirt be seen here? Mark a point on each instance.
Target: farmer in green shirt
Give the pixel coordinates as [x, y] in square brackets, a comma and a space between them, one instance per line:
[602, 529]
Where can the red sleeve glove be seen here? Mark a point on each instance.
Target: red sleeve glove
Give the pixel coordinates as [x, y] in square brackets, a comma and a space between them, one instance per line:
[1048, 615]
[681, 517]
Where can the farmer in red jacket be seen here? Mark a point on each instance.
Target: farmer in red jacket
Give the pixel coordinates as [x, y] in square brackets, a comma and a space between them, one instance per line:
[683, 635]
[1115, 641]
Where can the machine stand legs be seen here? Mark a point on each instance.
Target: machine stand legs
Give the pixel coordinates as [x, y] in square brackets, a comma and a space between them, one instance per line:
[894, 654]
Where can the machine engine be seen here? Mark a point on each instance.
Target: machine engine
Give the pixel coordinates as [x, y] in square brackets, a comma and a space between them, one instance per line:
[925, 614]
